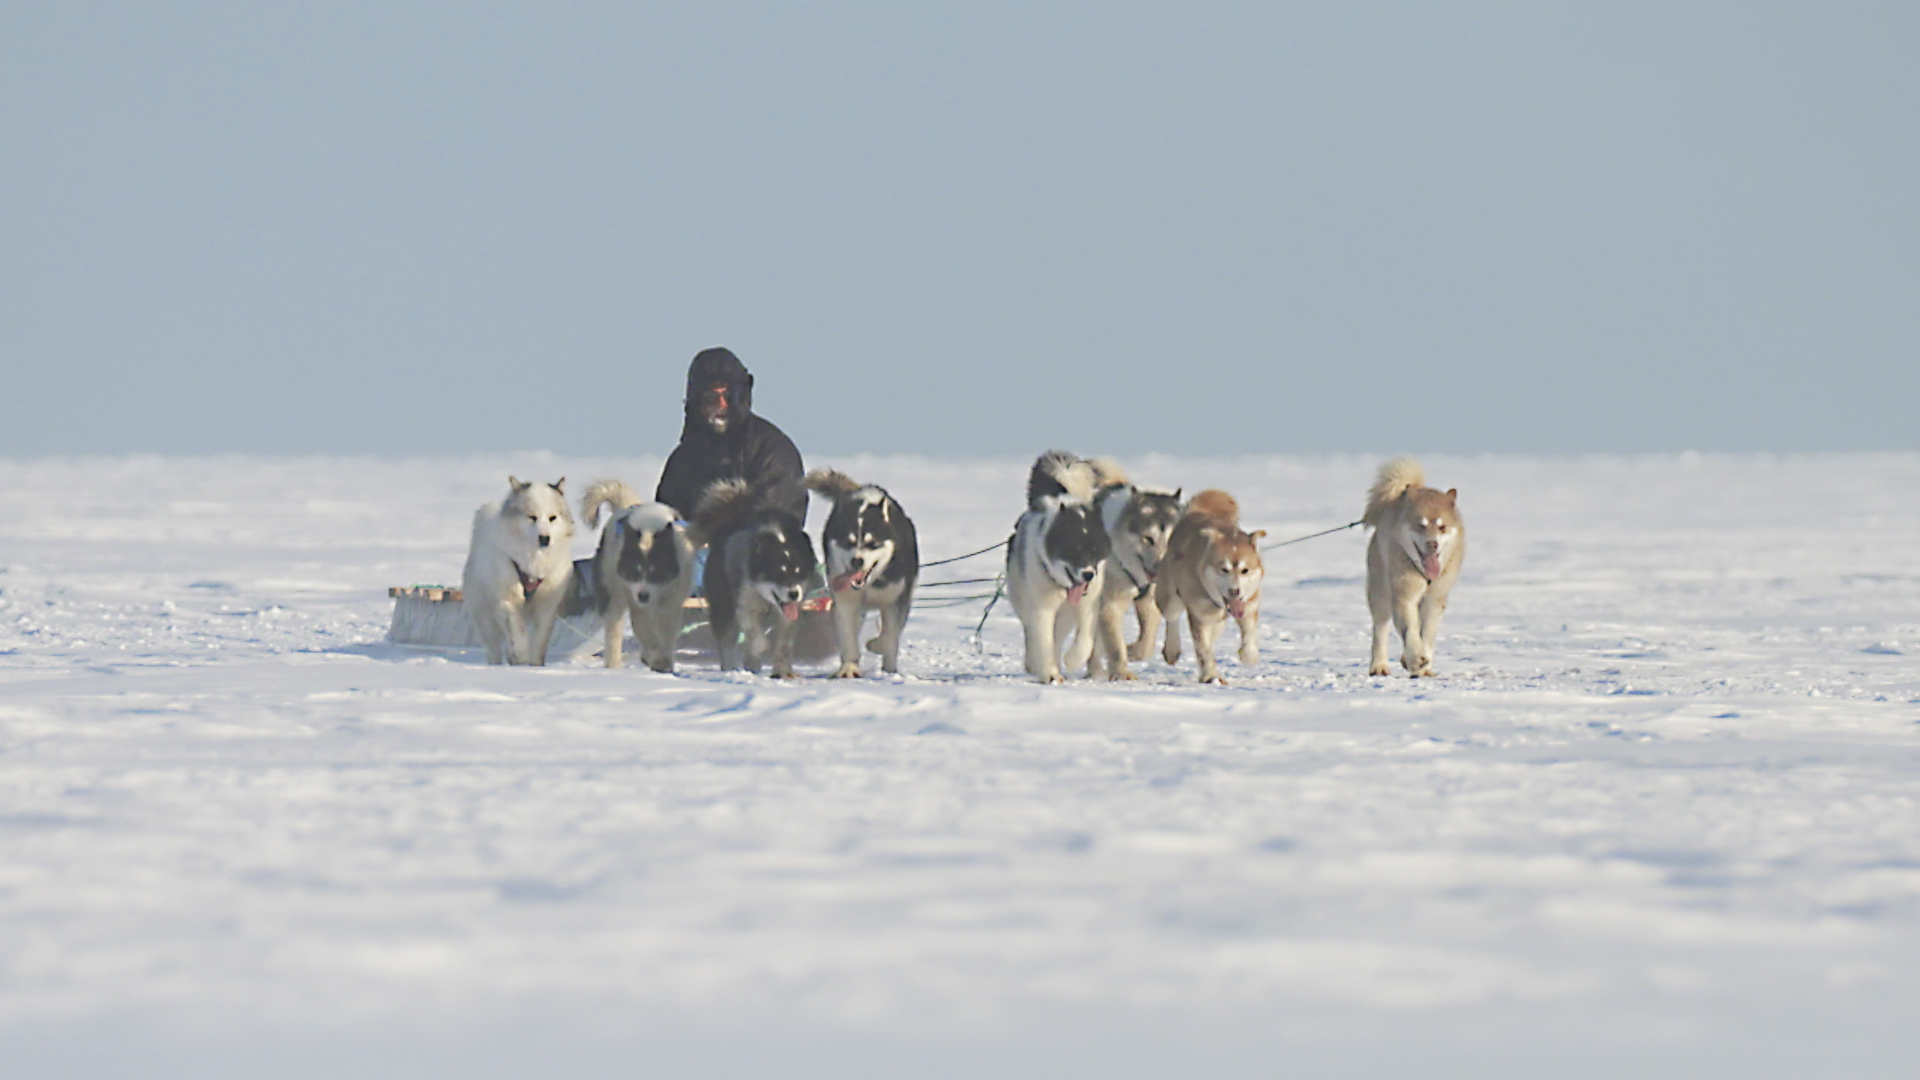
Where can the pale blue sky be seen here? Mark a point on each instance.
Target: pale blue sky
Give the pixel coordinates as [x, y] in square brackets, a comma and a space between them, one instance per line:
[985, 228]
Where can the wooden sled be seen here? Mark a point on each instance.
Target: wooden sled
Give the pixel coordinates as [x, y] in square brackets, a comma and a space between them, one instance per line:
[435, 616]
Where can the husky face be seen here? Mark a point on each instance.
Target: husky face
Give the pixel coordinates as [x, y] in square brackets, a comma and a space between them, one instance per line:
[1075, 545]
[779, 564]
[649, 557]
[1232, 571]
[859, 538]
[1139, 532]
[538, 514]
[1428, 529]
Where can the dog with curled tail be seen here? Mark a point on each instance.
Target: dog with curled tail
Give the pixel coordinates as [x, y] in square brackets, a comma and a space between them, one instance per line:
[1419, 544]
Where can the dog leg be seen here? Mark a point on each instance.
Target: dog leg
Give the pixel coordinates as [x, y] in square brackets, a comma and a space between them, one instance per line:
[543, 620]
[1113, 647]
[1406, 619]
[1249, 623]
[893, 619]
[847, 617]
[783, 632]
[1380, 606]
[1149, 614]
[1171, 607]
[612, 622]
[755, 646]
[492, 638]
[1432, 607]
[1204, 631]
[1043, 657]
[1079, 618]
[655, 636]
[519, 649]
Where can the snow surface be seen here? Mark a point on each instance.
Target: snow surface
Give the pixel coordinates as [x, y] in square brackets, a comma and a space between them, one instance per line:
[1661, 807]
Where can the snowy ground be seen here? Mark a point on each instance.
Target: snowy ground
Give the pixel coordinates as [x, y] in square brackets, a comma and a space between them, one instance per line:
[1661, 810]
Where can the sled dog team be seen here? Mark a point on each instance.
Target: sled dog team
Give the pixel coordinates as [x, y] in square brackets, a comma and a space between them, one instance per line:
[1090, 546]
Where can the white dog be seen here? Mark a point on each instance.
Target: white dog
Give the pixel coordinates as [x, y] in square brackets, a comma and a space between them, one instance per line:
[519, 569]
[1418, 546]
[1055, 559]
[644, 568]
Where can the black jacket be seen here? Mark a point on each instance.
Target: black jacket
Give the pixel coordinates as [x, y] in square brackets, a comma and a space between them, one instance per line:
[751, 448]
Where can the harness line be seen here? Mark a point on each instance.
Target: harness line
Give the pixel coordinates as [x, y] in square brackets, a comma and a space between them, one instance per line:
[968, 555]
[1312, 536]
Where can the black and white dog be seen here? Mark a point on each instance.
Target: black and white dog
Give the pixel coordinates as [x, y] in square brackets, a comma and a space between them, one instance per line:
[1056, 557]
[757, 574]
[873, 560]
[644, 568]
[1138, 522]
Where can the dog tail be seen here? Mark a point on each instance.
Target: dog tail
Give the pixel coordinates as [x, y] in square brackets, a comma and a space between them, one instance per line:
[832, 483]
[1108, 473]
[723, 506]
[614, 493]
[1057, 472]
[1396, 477]
[1216, 504]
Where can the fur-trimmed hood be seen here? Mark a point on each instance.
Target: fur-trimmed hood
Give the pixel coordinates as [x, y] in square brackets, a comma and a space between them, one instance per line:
[711, 368]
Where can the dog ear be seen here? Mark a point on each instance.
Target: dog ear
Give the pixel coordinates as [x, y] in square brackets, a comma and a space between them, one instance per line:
[1453, 495]
[514, 483]
[1256, 534]
[1176, 494]
[560, 485]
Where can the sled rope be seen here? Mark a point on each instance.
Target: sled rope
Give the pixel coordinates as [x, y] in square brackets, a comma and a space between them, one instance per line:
[968, 555]
[980, 642]
[1314, 536]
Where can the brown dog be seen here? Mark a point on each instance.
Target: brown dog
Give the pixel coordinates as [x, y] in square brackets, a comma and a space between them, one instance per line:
[1418, 546]
[1212, 570]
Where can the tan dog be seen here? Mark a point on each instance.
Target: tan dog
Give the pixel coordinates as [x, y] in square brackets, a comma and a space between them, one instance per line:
[1212, 570]
[1413, 560]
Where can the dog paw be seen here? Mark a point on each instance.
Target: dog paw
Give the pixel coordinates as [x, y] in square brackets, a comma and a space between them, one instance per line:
[1050, 680]
[783, 673]
[1249, 657]
[848, 671]
[1380, 668]
[1123, 675]
[1217, 680]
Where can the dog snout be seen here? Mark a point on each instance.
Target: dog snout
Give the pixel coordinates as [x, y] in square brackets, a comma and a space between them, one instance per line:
[643, 597]
[1087, 574]
[859, 563]
[545, 539]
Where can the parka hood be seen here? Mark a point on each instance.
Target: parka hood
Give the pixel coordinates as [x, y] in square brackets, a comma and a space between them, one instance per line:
[718, 367]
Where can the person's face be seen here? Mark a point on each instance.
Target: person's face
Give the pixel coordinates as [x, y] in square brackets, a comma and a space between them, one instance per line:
[713, 407]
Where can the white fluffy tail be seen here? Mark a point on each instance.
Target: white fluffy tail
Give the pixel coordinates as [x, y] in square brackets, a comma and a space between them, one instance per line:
[832, 483]
[1057, 472]
[1395, 478]
[614, 493]
[1108, 473]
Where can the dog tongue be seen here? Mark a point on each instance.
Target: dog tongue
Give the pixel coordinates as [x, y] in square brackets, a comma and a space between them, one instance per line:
[1074, 594]
[1430, 565]
[852, 579]
[1236, 607]
[791, 611]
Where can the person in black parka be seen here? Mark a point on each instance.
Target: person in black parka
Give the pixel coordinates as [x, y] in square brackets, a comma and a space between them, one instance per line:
[724, 440]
